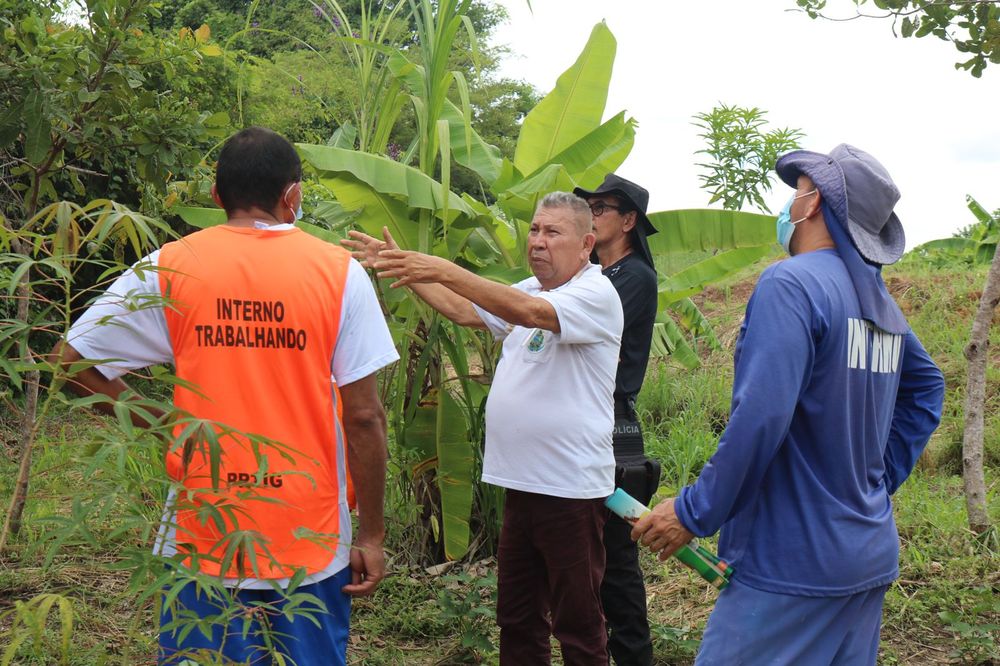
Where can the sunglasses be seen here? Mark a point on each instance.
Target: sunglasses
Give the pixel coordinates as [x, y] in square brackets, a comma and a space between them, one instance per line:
[599, 208]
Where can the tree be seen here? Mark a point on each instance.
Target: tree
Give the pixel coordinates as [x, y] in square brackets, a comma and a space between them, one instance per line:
[303, 95]
[973, 26]
[80, 119]
[743, 154]
[977, 352]
[97, 105]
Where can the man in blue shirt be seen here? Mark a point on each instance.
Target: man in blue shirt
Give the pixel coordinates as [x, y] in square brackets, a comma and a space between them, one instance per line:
[834, 399]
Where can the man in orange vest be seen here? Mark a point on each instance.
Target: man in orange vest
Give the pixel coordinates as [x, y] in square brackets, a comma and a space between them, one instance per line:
[277, 337]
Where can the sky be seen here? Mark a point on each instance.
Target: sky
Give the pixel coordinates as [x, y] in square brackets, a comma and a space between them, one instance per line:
[933, 127]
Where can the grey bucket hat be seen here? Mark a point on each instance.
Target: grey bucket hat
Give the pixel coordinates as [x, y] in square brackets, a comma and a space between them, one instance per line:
[861, 193]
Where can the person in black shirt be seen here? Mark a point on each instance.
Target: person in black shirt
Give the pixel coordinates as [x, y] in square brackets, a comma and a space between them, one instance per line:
[621, 225]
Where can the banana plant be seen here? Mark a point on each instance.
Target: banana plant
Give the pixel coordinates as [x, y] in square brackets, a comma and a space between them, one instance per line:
[564, 142]
[734, 240]
[977, 243]
[441, 381]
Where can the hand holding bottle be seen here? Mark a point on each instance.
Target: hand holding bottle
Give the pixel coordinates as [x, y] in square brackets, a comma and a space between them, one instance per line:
[703, 561]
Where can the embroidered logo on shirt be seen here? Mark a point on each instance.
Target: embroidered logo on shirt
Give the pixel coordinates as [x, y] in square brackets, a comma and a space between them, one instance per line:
[537, 341]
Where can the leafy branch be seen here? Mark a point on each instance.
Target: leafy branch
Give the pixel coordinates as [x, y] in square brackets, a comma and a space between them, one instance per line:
[743, 154]
[973, 26]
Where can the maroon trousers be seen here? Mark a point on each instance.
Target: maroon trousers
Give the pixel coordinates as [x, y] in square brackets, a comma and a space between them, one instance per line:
[551, 562]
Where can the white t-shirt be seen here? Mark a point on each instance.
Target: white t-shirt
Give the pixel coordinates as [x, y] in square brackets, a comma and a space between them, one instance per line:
[126, 326]
[550, 411]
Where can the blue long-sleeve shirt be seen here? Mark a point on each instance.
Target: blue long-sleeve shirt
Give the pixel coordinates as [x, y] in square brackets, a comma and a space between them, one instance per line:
[828, 418]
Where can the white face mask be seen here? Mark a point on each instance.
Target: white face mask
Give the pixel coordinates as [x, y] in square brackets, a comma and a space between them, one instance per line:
[298, 211]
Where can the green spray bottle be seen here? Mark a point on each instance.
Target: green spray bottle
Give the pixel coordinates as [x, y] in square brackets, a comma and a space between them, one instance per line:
[703, 561]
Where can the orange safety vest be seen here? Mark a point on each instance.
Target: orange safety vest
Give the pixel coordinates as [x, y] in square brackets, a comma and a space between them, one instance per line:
[253, 317]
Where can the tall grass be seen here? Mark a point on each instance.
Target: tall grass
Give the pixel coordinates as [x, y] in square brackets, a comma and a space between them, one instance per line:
[683, 413]
[940, 301]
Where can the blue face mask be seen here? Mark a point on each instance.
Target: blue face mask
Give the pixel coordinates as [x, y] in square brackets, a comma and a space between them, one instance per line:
[785, 227]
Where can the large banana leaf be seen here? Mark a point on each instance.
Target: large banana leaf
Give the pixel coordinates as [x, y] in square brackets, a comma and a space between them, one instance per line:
[419, 437]
[408, 72]
[455, 469]
[977, 209]
[480, 245]
[985, 251]
[668, 340]
[344, 137]
[734, 240]
[573, 109]
[337, 219]
[385, 176]
[374, 209]
[699, 230]
[468, 148]
[521, 200]
[598, 153]
[696, 277]
[509, 176]
[981, 251]
[692, 320]
[980, 243]
[500, 233]
[438, 435]
[956, 245]
[202, 218]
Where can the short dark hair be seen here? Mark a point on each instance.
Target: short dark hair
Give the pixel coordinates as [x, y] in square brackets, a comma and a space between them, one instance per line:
[254, 168]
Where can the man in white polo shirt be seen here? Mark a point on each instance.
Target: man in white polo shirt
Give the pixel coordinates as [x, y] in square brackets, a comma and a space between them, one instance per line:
[549, 418]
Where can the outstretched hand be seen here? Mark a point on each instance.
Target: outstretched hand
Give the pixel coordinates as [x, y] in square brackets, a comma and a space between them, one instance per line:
[365, 248]
[410, 267]
[661, 530]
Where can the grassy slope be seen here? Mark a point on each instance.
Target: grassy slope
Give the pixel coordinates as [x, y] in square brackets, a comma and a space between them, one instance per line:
[422, 619]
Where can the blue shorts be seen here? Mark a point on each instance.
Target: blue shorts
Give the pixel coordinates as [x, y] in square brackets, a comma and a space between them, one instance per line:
[751, 627]
[247, 641]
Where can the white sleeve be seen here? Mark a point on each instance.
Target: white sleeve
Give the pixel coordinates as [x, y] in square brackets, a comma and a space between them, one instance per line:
[497, 326]
[501, 328]
[364, 344]
[125, 326]
[588, 311]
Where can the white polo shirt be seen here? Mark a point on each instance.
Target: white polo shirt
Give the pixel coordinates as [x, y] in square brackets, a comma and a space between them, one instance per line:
[550, 411]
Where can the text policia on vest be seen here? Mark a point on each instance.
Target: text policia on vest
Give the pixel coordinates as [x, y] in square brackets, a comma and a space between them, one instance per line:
[263, 337]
